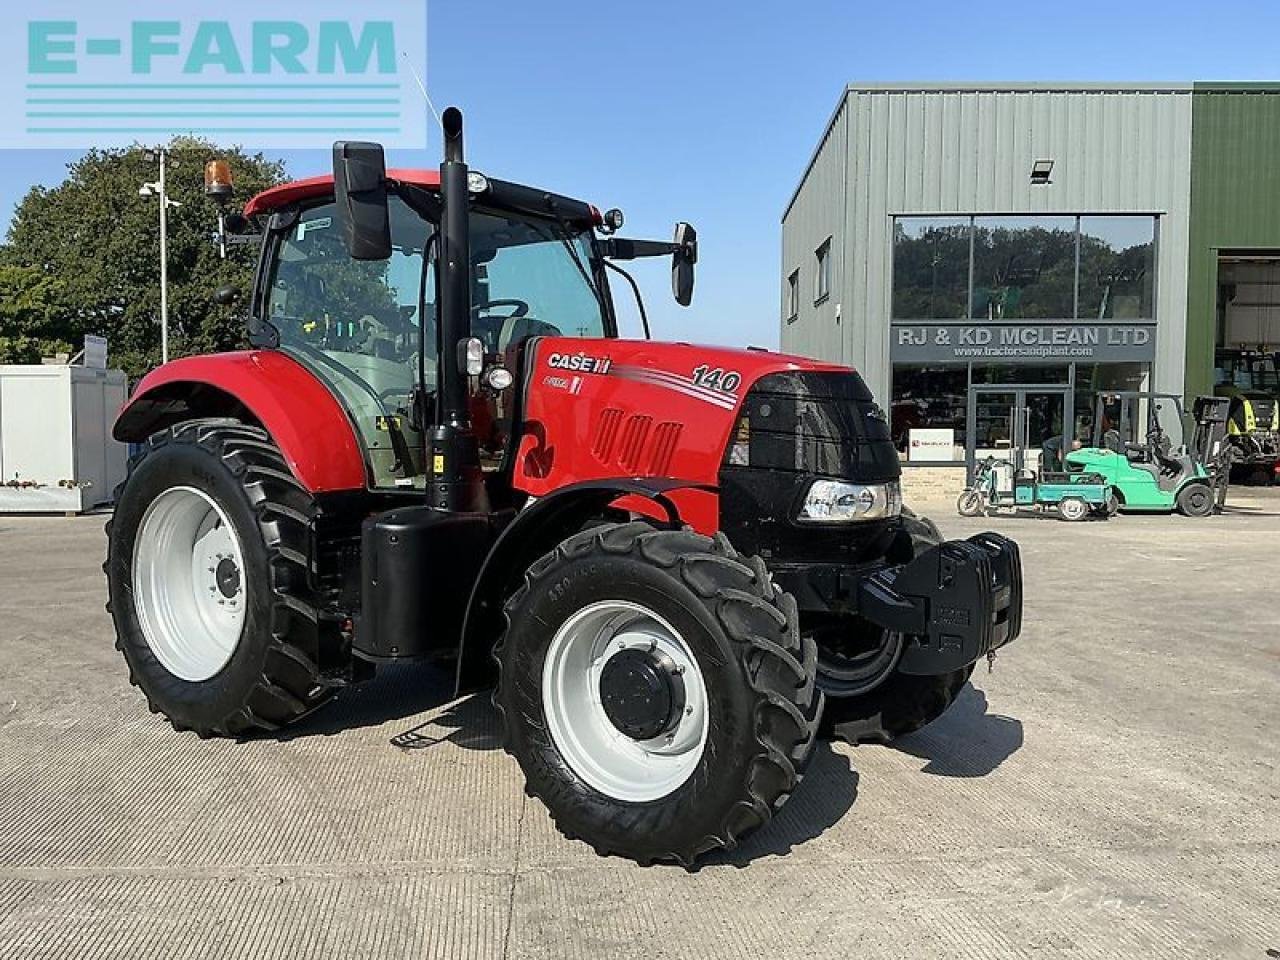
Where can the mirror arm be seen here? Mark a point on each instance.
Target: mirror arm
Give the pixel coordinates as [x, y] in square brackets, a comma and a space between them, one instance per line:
[621, 248]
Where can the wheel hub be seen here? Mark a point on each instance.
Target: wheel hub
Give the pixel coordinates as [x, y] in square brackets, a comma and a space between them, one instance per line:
[187, 583]
[625, 700]
[227, 575]
[642, 692]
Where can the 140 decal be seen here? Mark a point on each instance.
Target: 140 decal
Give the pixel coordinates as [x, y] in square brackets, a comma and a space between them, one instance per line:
[717, 378]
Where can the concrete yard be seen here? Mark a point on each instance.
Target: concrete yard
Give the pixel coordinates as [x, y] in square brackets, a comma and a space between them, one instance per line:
[1111, 790]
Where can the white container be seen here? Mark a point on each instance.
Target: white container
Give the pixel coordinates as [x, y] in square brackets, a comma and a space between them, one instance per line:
[55, 433]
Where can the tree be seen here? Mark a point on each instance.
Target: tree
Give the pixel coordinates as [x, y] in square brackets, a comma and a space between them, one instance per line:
[30, 316]
[97, 245]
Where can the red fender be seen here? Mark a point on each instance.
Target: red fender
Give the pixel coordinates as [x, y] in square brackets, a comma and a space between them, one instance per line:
[303, 417]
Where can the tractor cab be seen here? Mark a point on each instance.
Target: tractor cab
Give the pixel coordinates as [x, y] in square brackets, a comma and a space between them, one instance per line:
[369, 329]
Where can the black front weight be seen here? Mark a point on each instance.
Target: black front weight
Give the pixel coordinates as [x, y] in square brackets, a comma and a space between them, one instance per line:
[957, 602]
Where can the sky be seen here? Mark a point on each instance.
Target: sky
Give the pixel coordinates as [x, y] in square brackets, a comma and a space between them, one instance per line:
[709, 111]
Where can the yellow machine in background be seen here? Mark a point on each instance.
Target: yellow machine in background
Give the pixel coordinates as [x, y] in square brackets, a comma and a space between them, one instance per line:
[1251, 382]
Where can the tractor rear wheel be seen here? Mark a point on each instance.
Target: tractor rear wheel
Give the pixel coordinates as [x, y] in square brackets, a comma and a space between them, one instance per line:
[656, 691]
[207, 576]
[895, 704]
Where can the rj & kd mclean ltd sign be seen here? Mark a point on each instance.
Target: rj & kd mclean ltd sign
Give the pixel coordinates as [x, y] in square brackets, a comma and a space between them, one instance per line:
[959, 342]
[79, 74]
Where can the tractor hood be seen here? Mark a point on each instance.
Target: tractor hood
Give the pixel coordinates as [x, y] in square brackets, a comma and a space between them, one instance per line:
[595, 409]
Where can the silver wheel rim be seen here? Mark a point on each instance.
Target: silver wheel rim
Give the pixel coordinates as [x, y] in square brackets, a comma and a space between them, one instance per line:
[597, 751]
[188, 583]
[1074, 509]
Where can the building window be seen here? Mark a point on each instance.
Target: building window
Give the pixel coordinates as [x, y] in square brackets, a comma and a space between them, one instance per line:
[1030, 267]
[793, 296]
[822, 278]
[931, 268]
[929, 397]
[1117, 268]
[1024, 268]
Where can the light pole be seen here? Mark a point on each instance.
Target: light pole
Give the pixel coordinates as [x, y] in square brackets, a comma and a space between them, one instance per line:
[157, 189]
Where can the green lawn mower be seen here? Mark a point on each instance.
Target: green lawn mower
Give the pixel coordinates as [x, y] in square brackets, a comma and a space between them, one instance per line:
[1142, 450]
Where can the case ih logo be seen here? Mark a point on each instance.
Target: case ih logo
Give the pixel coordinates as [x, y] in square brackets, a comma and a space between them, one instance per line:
[579, 363]
[81, 74]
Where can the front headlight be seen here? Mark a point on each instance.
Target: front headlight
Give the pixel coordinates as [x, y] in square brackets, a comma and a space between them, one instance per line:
[834, 501]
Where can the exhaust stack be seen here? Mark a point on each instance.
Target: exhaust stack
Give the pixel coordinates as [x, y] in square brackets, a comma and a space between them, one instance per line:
[454, 461]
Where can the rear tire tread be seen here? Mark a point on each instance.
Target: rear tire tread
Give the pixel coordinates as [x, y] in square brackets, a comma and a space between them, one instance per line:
[281, 506]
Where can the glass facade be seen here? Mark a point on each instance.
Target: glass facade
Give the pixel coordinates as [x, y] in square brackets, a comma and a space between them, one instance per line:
[1025, 267]
[1063, 286]
[935, 396]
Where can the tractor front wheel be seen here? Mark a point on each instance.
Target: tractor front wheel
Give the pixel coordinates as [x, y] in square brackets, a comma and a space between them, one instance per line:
[656, 691]
[206, 572]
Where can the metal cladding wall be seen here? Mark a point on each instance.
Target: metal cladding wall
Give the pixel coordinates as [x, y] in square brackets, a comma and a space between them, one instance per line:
[1235, 200]
[816, 213]
[968, 149]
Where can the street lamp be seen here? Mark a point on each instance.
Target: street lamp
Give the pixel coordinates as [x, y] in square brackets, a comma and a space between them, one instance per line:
[147, 191]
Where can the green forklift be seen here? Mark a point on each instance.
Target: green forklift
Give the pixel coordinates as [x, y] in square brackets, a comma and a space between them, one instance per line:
[1155, 458]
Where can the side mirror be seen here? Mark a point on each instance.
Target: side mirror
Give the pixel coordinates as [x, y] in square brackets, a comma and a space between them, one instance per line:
[226, 296]
[360, 194]
[682, 263]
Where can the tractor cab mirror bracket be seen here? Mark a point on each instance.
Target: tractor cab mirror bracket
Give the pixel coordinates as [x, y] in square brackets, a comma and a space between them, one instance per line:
[360, 195]
[683, 251]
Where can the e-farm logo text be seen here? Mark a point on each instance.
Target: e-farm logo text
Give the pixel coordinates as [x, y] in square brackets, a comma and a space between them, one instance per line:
[237, 72]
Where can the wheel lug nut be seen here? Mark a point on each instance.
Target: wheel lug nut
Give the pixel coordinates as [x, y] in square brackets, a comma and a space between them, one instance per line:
[688, 711]
[680, 668]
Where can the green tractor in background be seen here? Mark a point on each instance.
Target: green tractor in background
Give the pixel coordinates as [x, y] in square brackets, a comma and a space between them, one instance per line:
[1141, 448]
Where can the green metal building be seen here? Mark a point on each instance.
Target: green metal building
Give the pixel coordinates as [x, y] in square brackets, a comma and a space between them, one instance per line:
[972, 248]
[1233, 259]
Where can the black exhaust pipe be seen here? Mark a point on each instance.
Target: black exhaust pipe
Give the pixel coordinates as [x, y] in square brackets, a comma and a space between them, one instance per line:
[454, 463]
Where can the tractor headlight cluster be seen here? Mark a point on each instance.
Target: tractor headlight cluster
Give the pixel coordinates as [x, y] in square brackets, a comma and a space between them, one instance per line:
[834, 501]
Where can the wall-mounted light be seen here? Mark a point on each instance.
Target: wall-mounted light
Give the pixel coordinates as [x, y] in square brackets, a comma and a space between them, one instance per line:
[1040, 170]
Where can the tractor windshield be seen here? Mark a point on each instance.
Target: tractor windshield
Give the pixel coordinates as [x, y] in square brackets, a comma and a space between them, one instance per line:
[355, 324]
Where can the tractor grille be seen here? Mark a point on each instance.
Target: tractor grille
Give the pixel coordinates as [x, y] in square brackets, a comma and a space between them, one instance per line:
[794, 428]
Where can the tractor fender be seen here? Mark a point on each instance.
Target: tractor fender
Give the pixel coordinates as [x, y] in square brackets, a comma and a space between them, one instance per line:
[535, 531]
[263, 387]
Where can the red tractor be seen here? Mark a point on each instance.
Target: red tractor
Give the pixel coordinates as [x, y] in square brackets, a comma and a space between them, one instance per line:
[661, 555]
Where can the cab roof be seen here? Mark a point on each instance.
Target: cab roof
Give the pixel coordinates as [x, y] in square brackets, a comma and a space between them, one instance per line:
[504, 194]
[322, 186]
